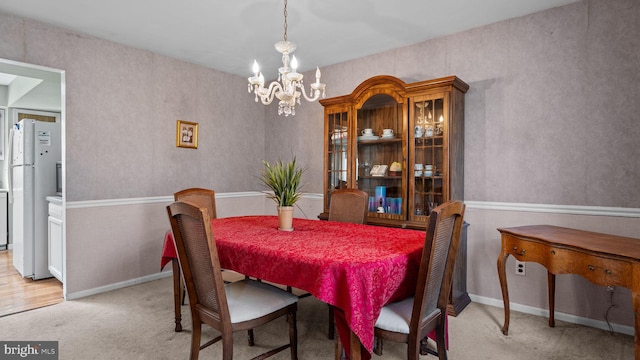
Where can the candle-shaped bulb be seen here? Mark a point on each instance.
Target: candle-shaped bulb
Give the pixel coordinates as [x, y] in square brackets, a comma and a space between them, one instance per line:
[294, 63]
[317, 75]
[256, 68]
[261, 78]
[441, 118]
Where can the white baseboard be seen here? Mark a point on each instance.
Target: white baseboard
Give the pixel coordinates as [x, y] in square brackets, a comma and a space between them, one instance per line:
[120, 285]
[598, 324]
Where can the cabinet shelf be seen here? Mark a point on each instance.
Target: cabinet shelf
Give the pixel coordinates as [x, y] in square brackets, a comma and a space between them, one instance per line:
[380, 141]
[386, 177]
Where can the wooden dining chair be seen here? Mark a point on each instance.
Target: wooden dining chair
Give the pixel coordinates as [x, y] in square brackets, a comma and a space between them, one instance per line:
[200, 197]
[347, 205]
[412, 319]
[236, 306]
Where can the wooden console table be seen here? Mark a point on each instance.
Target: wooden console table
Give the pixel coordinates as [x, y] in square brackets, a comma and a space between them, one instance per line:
[602, 259]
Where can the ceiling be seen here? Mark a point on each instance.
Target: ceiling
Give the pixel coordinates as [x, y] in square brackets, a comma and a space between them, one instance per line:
[228, 35]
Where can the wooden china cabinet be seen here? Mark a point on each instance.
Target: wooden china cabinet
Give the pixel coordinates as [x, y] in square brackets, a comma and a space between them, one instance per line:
[411, 160]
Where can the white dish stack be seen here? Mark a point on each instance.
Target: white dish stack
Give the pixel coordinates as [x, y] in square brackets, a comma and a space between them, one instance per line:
[426, 170]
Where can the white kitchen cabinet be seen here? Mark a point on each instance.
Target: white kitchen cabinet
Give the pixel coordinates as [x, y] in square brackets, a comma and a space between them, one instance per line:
[56, 255]
[3, 219]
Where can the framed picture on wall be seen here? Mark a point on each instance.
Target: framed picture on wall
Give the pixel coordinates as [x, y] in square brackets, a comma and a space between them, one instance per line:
[186, 134]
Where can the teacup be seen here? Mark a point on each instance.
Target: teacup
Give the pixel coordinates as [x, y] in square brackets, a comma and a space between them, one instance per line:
[428, 167]
[417, 167]
[387, 132]
[367, 132]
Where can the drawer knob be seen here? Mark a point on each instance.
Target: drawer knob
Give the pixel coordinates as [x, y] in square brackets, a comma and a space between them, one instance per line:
[591, 267]
[607, 271]
[553, 252]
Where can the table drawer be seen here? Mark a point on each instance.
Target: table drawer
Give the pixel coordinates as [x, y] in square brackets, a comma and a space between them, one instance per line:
[526, 250]
[599, 270]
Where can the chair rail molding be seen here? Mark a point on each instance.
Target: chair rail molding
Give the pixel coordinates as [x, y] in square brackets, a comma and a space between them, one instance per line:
[556, 209]
[482, 205]
[151, 200]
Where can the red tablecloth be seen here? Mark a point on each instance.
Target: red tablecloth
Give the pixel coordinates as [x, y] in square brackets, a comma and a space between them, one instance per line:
[357, 268]
[168, 250]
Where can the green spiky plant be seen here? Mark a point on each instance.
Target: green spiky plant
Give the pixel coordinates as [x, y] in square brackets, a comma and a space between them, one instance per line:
[284, 179]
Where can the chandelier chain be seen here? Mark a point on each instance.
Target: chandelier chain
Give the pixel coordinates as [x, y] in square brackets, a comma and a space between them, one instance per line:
[285, 20]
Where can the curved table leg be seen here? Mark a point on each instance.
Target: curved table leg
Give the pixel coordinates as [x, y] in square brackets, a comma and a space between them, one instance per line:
[551, 279]
[502, 275]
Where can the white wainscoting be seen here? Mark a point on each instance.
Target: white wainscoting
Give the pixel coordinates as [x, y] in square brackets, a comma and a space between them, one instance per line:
[117, 243]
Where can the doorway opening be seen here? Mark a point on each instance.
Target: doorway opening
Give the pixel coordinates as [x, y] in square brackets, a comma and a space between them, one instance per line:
[36, 88]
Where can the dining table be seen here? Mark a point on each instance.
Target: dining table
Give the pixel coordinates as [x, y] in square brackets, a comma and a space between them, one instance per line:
[356, 268]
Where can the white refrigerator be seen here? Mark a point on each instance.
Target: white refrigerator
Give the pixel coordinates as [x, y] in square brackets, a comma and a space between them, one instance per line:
[35, 147]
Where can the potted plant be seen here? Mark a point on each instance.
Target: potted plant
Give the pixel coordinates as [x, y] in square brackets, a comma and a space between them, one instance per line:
[284, 179]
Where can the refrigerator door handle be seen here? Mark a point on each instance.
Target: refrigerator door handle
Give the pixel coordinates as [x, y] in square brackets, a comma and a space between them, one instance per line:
[10, 172]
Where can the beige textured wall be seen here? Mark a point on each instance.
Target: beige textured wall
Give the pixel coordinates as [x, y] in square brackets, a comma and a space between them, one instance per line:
[122, 106]
[551, 114]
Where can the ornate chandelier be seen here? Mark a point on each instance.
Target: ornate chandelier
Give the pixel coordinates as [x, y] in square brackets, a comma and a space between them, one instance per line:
[289, 80]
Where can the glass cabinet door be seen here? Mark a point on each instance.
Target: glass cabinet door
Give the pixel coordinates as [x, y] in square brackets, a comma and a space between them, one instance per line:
[337, 152]
[429, 162]
[380, 161]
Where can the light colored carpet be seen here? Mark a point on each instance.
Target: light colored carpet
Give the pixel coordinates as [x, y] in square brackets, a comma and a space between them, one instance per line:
[137, 323]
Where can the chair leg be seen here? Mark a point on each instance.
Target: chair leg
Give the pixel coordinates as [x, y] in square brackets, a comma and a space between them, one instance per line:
[379, 345]
[339, 350]
[293, 334]
[440, 340]
[424, 347]
[416, 347]
[196, 334]
[332, 324]
[227, 346]
[250, 338]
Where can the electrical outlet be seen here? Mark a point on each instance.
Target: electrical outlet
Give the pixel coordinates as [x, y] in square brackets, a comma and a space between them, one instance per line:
[520, 268]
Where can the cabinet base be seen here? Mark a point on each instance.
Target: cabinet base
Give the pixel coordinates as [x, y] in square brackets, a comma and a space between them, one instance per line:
[456, 306]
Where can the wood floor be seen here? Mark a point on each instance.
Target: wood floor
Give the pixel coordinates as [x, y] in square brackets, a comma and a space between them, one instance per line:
[18, 294]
